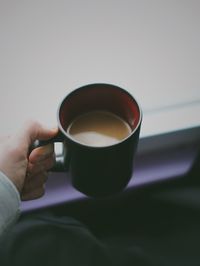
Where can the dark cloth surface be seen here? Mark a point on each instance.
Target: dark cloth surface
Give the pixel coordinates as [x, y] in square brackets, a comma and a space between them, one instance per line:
[46, 240]
[158, 226]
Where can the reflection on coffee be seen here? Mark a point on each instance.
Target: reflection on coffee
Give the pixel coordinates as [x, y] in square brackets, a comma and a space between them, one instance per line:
[98, 128]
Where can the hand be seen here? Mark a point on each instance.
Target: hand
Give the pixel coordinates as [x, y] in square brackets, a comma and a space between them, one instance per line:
[27, 171]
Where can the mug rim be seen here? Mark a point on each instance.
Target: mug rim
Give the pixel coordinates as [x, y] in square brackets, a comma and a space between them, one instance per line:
[66, 134]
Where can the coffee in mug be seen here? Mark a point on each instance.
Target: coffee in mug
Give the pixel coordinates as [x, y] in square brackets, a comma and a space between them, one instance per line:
[98, 128]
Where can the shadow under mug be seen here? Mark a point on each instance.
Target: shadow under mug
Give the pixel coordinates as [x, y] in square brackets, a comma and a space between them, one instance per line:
[98, 171]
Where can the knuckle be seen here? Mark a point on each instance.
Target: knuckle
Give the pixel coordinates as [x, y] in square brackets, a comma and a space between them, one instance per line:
[34, 194]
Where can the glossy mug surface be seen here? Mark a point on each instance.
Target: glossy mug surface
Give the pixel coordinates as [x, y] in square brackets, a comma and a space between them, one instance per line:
[99, 125]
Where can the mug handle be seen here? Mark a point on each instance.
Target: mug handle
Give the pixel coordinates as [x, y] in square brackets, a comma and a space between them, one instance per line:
[62, 160]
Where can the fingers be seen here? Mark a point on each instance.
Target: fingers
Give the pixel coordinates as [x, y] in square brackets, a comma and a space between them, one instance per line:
[41, 153]
[42, 166]
[41, 160]
[34, 187]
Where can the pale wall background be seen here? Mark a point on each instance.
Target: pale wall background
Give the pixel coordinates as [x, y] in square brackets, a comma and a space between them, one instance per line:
[149, 47]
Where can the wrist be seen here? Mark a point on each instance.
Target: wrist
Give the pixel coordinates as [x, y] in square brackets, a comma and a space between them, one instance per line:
[9, 203]
[10, 184]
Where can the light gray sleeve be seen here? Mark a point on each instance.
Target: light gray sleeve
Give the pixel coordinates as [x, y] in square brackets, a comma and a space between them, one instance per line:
[9, 203]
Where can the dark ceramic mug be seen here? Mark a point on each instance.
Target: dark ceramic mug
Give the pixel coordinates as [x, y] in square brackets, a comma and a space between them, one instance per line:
[98, 171]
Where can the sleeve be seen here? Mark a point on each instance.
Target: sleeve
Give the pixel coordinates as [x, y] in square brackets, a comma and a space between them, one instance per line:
[9, 203]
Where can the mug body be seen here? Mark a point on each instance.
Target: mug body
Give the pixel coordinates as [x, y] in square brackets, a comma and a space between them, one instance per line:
[100, 171]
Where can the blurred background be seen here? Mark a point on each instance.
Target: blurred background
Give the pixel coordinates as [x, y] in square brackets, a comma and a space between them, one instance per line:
[148, 47]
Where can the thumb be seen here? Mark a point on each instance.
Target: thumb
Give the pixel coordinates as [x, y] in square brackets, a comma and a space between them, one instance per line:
[35, 131]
